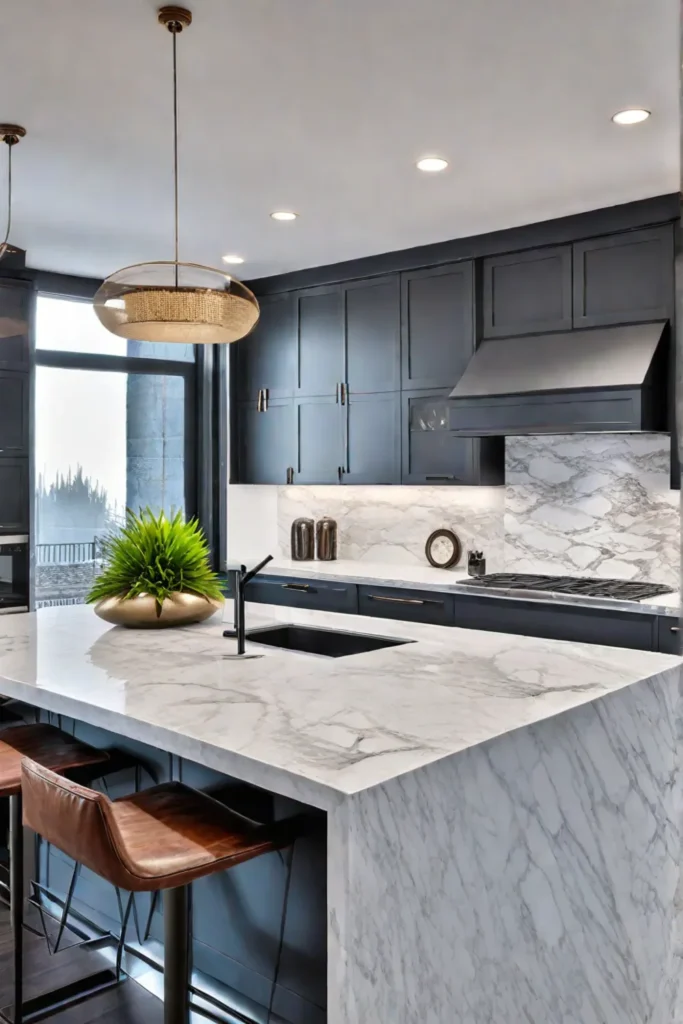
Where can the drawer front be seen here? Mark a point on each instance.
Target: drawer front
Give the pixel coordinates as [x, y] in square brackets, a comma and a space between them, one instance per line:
[409, 605]
[669, 635]
[322, 595]
[582, 625]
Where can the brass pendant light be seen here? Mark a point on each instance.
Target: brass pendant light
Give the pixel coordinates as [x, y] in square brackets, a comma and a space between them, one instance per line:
[170, 301]
[10, 134]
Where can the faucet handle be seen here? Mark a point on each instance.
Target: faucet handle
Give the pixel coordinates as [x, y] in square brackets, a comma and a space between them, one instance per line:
[246, 576]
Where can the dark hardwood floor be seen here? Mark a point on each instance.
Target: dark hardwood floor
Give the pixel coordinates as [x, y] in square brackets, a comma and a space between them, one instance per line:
[128, 1003]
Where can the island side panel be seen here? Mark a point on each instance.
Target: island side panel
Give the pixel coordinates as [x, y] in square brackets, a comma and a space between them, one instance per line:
[533, 878]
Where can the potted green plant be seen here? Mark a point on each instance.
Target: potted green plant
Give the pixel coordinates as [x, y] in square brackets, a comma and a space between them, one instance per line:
[156, 573]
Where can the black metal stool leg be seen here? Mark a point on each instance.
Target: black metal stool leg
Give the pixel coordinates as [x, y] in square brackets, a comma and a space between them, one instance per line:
[16, 886]
[177, 955]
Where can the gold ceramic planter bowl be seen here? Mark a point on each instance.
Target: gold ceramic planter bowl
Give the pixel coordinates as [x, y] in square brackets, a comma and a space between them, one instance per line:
[141, 612]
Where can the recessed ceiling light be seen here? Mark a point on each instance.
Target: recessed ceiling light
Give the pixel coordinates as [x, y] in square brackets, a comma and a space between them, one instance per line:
[634, 115]
[432, 163]
[233, 259]
[284, 215]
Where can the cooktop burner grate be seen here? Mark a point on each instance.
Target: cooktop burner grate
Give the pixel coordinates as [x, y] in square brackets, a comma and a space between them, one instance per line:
[624, 590]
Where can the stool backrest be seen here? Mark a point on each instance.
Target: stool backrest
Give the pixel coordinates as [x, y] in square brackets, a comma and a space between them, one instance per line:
[75, 819]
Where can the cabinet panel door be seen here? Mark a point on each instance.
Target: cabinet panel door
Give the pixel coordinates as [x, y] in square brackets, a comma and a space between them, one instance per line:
[437, 325]
[431, 453]
[320, 352]
[372, 323]
[14, 499]
[14, 413]
[373, 439]
[624, 278]
[267, 357]
[668, 634]
[320, 442]
[16, 300]
[295, 592]
[528, 292]
[266, 442]
[409, 605]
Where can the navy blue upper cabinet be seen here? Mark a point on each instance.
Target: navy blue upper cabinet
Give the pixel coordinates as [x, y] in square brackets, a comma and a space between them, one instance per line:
[267, 358]
[372, 328]
[528, 292]
[624, 278]
[319, 440]
[372, 438]
[266, 442]
[437, 325]
[320, 343]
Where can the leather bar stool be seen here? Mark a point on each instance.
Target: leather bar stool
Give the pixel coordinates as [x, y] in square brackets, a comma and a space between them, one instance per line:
[61, 752]
[162, 838]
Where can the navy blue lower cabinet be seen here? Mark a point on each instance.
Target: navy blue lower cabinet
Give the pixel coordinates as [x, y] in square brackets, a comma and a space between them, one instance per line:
[669, 634]
[558, 622]
[409, 605]
[321, 595]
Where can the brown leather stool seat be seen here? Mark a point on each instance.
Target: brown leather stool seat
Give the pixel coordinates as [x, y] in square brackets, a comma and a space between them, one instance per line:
[162, 838]
[43, 743]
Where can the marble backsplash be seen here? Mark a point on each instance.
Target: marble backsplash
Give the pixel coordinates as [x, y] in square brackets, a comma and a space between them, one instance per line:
[592, 505]
[387, 525]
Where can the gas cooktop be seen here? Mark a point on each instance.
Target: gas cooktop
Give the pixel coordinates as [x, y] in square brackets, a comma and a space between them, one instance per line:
[623, 590]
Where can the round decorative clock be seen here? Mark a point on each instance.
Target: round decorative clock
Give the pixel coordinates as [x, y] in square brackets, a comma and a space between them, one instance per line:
[443, 549]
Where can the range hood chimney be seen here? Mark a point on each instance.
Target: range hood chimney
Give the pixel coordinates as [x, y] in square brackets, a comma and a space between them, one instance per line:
[609, 379]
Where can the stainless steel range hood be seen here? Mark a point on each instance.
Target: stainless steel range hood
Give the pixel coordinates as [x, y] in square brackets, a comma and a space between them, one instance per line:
[607, 379]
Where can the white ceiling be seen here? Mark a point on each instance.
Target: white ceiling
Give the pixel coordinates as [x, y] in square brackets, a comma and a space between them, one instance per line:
[323, 106]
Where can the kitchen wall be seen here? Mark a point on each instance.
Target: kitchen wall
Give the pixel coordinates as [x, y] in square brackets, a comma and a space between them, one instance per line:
[592, 505]
[388, 525]
[583, 504]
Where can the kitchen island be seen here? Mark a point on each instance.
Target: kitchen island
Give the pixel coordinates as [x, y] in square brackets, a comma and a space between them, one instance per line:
[503, 812]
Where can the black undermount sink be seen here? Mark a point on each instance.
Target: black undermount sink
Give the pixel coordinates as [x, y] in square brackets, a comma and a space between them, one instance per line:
[328, 642]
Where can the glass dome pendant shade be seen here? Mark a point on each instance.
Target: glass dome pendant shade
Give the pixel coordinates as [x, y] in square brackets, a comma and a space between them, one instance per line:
[170, 301]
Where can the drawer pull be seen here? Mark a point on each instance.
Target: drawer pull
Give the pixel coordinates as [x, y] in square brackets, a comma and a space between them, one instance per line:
[401, 600]
[295, 586]
[675, 629]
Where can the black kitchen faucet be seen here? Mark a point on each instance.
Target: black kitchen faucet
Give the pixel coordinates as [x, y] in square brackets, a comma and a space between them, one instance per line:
[238, 579]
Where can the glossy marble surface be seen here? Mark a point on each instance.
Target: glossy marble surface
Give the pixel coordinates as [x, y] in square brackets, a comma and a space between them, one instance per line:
[312, 728]
[592, 505]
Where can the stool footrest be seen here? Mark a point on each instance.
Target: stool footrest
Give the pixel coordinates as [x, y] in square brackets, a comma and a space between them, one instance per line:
[60, 999]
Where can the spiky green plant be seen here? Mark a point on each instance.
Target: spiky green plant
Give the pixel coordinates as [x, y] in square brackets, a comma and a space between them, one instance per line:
[157, 556]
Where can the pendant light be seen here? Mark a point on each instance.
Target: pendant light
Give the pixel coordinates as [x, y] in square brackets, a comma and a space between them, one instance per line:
[170, 301]
[10, 134]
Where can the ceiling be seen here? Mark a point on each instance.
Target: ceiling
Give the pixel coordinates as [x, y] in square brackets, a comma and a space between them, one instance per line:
[323, 106]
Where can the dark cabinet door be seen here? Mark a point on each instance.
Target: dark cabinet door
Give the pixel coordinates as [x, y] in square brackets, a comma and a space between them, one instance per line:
[409, 605]
[372, 328]
[14, 412]
[320, 348]
[267, 358]
[14, 499]
[431, 453]
[528, 292]
[319, 431]
[322, 595]
[372, 439]
[624, 278]
[437, 325]
[266, 442]
[668, 634]
[16, 303]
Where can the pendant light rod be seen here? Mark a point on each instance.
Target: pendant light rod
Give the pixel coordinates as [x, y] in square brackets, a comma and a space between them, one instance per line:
[175, 19]
[10, 135]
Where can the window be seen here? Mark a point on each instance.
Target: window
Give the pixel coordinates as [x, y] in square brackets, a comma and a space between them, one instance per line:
[114, 428]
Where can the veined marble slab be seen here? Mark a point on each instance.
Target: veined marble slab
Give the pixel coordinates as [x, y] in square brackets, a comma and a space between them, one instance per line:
[313, 728]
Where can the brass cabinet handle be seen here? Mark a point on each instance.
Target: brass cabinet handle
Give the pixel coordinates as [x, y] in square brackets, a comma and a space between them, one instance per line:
[290, 475]
[440, 476]
[266, 392]
[401, 600]
[675, 629]
[295, 586]
[336, 392]
[259, 401]
[343, 393]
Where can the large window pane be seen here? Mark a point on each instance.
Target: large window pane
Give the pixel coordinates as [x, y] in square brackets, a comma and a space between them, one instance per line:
[104, 441]
[64, 325]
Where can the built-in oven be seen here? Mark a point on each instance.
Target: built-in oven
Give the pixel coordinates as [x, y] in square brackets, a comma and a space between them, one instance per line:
[13, 572]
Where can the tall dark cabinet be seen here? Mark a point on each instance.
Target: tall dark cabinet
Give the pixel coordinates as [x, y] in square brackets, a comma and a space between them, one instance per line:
[16, 315]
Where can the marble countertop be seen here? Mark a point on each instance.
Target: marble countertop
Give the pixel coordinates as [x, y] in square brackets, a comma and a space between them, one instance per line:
[312, 728]
[450, 581]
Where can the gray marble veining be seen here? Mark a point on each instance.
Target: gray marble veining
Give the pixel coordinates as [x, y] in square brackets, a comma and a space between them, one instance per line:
[312, 728]
[592, 505]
